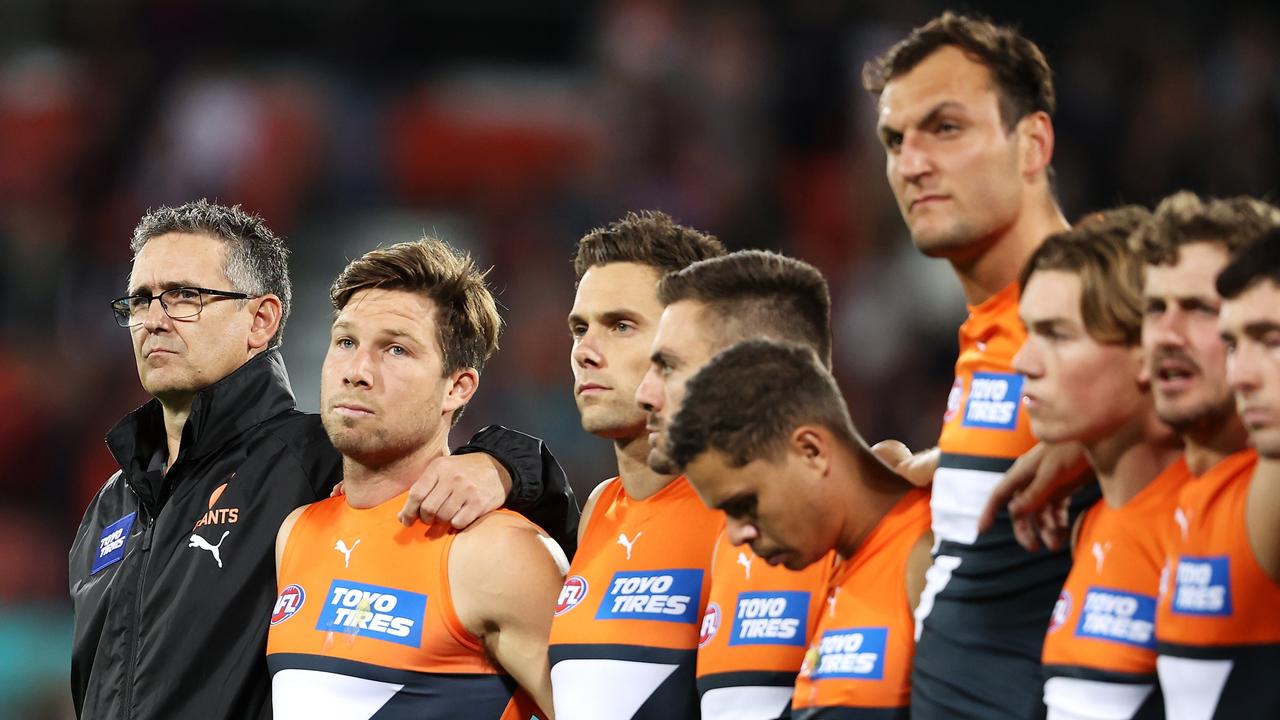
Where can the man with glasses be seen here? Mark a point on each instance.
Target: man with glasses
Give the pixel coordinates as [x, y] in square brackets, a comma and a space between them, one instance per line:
[172, 571]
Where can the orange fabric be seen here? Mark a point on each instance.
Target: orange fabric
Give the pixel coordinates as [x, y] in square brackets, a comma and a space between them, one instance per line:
[980, 411]
[1217, 594]
[862, 648]
[741, 634]
[1105, 617]
[671, 534]
[406, 563]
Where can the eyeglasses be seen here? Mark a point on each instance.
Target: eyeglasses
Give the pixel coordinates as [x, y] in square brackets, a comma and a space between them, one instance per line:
[181, 303]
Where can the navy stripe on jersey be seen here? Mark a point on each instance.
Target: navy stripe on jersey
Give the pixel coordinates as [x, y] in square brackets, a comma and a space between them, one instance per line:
[634, 653]
[981, 463]
[1107, 676]
[425, 696]
[851, 713]
[746, 678]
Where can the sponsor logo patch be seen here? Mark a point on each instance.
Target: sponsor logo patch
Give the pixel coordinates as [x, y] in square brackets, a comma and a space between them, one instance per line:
[288, 602]
[1202, 586]
[373, 611]
[994, 399]
[710, 624]
[1118, 616]
[574, 591]
[770, 618]
[665, 595]
[851, 654]
[1061, 610]
[111, 543]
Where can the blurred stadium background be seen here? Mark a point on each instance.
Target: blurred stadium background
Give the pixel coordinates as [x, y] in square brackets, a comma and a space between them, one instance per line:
[510, 128]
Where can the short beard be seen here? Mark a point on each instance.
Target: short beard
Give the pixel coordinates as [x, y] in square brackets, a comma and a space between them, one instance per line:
[1202, 420]
[660, 462]
[370, 449]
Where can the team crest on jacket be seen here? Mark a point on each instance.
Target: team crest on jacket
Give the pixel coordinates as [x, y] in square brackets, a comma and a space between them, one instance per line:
[710, 624]
[288, 603]
[222, 515]
[574, 591]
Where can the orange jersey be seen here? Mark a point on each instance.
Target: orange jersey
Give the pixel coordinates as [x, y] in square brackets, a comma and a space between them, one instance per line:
[1100, 651]
[1217, 627]
[987, 602]
[625, 636]
[759, 621]
[364, 624]
[860, 657]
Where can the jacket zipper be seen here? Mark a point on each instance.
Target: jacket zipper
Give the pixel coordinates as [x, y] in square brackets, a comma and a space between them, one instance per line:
[135, 626]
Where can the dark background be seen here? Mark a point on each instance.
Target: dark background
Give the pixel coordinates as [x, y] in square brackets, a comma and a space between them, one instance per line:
[511, 128]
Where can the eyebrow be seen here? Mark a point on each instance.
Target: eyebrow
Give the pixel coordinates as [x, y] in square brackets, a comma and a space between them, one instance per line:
[166, 285]
[929, 117]
[1259, 328]
[607, 317]
[662, 357]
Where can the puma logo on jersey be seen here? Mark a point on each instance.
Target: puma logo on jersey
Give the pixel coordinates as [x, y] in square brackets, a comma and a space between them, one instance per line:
[745, 562]
[199, 542]
[1181, 518]
[624, 542]
[341, 547]
[1100, 551]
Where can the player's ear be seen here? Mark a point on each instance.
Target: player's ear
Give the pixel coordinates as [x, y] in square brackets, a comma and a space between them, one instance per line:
[462, 384]
[811, 445]
[1036, 139]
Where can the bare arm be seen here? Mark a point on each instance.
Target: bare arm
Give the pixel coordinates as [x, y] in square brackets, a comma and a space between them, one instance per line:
[917, 563]
[509, 611]
[282, 536]
[588, 508]
[1036, 489]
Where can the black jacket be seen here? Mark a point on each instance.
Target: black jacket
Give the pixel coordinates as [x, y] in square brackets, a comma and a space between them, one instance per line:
[173, 574]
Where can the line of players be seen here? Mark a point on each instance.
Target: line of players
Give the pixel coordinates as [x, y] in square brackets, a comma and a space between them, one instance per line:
[864, 595]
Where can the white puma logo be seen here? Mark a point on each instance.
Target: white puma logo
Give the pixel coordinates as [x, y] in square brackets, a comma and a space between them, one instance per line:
[745, 562]
[199, 542]
[624, 542]
[831, 602]
[1100, 553]
[1181, 518]
[346, 552]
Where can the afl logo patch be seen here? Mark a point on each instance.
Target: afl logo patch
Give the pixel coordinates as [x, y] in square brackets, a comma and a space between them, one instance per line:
[710, 624]
[574, 590]
[1061, 610]
[289, 602]
[954, 400]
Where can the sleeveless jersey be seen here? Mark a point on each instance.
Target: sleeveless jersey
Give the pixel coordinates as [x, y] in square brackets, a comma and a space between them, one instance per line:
[758, 623]
[364, 624]
[987, 601]
[1218, 624]
[625, 636]
[1100, 652]
[858, 666]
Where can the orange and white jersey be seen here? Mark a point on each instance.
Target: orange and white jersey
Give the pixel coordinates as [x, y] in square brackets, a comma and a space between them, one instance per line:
[1217, 627]
[364, 624]
[859, 662]
[757, 627]
[1100, 651]
[625, 636]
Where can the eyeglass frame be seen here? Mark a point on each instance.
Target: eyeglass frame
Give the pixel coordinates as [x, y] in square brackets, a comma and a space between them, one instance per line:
[200, 292]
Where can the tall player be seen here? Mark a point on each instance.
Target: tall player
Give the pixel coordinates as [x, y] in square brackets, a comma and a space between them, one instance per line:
[375, 619]
[1217, 631]
[1081, 305]
[625, 633]
[765, 436]
[964, 113]
[760, 616]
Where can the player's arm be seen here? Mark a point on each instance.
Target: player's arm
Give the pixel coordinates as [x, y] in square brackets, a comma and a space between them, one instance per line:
[497, 466]
[589, 508]
[505, 577]
[1037, 489]
[282, 536]
[1262, 516]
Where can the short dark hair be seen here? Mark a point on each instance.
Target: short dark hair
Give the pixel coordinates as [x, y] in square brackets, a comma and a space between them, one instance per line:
[756, 292]
[648, 237]
[1097, 251]
[1022, 77]
[1184, 218]
[257, 262]
[1259, 260]
[467, 320]
[747, 401]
